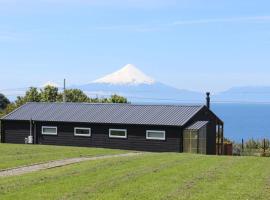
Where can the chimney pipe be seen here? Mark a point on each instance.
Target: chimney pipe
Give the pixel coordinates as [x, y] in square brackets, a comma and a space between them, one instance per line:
[208, 99]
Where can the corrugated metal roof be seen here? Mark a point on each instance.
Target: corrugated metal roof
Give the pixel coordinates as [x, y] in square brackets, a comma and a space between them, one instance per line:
[171, 115]
[197, 125]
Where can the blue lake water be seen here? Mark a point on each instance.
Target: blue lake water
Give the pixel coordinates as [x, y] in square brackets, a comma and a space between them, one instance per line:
[244, 120]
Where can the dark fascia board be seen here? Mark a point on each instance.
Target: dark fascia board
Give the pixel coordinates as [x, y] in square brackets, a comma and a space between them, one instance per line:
[211, 112]
[184, 124]
[220, 121]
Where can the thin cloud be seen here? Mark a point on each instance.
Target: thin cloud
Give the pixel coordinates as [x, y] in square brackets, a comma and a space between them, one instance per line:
[128, 3]
[132, 28]
[162, 27]
[223, 20]
[9, 36]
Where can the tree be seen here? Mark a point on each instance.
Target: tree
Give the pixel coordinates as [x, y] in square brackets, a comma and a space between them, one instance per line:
[74, 95]
[31, 95]
[10, 107]
[3, 102]
[49, 94]
[117, 99]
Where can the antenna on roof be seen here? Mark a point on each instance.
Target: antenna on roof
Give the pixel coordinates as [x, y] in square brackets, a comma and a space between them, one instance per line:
[64, 93]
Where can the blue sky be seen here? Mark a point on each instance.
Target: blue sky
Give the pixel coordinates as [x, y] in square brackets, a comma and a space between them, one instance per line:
[192, 44]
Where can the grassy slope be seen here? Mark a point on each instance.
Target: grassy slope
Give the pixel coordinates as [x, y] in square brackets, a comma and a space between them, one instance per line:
[12, 155]
[150, 176]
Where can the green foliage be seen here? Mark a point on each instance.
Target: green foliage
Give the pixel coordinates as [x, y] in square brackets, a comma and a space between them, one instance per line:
[3, 102]
[31, 95]
[257, 144]
[118, 99]
[10, 107]
[74, 95]
[51, 94]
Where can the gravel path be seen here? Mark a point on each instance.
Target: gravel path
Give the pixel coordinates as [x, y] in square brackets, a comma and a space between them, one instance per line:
[58, 163]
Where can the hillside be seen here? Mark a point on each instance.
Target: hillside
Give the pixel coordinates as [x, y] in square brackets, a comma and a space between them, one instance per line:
[148, 176]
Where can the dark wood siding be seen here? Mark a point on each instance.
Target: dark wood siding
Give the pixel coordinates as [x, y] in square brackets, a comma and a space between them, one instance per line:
[136, 136]
[15, 132]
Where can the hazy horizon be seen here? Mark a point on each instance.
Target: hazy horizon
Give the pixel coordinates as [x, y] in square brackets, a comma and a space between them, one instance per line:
[195, 45]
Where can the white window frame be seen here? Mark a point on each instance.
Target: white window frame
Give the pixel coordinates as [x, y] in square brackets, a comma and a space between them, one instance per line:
[42, 130]
[115, 136]
[155, 138]
[82, 128]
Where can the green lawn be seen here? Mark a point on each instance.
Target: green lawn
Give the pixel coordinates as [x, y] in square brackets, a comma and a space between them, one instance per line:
[149, 176]
[12, 155]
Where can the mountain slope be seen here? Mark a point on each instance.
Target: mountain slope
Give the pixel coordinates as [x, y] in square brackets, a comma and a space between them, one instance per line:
[245, 94]
[128, 75]
[138, 87]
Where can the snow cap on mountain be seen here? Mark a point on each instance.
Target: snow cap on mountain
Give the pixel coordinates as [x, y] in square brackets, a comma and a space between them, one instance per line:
[128, 75]
[50, 83]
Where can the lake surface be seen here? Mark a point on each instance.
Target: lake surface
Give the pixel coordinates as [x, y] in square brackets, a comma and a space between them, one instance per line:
[244, 120]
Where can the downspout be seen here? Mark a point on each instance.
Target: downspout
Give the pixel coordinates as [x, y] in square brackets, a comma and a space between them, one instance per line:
[31, 127]
[30, 137]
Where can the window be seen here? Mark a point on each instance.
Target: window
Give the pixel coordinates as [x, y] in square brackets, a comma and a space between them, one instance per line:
[155, 135]
[86, 132]
[49, 130]
[118, 133]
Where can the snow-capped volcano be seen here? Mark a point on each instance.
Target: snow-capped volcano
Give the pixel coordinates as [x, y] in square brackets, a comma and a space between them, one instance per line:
[128, 75]
[137, 87]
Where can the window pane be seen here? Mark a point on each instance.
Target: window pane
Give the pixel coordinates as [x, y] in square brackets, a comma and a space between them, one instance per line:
[118, 133]
[83, 131]
[49, 130]
[156, 134]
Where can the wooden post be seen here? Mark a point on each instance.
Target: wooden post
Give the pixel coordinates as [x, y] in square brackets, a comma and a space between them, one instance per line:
[222, 139]
[264, 145]
[242, 145]
[218, 140]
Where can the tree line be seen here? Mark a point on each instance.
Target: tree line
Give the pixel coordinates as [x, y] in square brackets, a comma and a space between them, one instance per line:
[257, 144]
[52, 94]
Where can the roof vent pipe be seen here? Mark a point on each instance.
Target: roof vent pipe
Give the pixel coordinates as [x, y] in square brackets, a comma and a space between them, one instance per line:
[208, 99]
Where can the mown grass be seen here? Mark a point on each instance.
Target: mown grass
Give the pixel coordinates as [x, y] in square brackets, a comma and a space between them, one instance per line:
[148, 176]
[13, 155]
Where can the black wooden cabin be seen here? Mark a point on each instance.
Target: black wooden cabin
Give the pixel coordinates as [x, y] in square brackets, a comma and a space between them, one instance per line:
[159, 128]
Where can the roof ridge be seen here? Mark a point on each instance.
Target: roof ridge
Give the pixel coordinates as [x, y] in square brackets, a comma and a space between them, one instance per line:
[128, 104]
